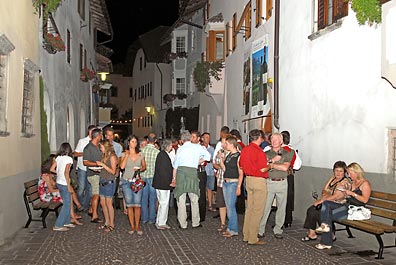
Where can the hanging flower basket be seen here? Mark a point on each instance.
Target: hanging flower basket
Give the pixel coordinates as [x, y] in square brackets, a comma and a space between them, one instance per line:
[53, 43]
[87, 74]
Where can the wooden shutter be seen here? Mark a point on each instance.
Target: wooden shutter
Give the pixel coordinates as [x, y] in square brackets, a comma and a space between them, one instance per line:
[340, 9]
[259, 10]
[268, 12]
[248, 22]
[234, 32]
[322, 14]
[227, 39]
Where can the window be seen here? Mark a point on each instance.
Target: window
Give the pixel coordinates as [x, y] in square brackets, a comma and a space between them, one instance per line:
[27, 102]
[6, 47]
[329, 11]
[145, 62]
[141, 63]
[81, 56]
[180, 44]
[180, 85]
[85, 58]
[114, 92]
[81, 8]
[131, 92]
[134, 94]
[68, 46]
[215, 48]
[151, 89]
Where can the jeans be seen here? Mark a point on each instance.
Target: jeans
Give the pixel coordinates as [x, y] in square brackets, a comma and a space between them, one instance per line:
[83, 185]
[149, 200]
[331, 211]
[64, 215]
[229, 191]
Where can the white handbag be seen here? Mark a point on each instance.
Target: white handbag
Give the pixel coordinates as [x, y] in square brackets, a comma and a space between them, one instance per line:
[358, 213]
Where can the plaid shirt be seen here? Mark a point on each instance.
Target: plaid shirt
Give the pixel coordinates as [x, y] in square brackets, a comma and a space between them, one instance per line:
[150, 155]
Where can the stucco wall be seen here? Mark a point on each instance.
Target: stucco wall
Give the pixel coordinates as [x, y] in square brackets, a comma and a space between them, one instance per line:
[19, 156]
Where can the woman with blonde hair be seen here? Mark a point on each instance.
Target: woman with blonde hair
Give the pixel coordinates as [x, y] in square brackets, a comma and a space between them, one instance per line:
[358, 195]
[107, 183]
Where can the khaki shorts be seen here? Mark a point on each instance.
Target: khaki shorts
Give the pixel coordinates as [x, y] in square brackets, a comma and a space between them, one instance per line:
[94, 181]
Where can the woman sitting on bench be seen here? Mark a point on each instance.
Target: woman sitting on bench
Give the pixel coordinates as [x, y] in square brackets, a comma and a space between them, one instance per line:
[359, 195]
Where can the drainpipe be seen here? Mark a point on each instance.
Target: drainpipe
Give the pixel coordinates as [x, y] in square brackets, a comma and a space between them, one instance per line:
[159, 69]
[276, 65]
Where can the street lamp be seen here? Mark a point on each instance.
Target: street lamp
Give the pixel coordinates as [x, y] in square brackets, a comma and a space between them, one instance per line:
[103, 76]
[148, 109]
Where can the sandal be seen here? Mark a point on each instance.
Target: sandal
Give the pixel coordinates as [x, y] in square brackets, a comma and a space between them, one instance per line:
[307, 238]
[139, 232]
[102, 227]
[109, 229]
[228, 234]
[221, 228]
[131, 232]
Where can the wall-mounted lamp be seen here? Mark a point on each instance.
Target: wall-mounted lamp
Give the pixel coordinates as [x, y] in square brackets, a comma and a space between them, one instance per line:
[103, 75]
[148, 109]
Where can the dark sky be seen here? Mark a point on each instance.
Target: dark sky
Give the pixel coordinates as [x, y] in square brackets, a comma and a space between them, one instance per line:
[131, 18]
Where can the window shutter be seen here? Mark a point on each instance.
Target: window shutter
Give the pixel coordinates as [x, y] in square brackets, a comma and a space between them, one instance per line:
[322, 14]
[248, 22]
[234, 32]
[268, 12]
[258, 12]
[340, 9]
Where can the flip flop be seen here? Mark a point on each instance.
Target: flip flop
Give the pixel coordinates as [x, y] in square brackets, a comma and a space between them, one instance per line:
[96, 220]
[307, 238]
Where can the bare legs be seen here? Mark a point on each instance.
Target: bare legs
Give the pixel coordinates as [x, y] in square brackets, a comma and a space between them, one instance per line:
[134, 218]
[94, 206]
[108, 211]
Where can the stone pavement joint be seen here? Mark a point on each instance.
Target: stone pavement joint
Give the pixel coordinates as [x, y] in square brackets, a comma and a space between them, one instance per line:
[88, 245]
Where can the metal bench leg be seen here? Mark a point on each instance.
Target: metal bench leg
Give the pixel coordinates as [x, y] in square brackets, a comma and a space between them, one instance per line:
[381, 247]
[29, 212]
[43, 216]
[349, 232]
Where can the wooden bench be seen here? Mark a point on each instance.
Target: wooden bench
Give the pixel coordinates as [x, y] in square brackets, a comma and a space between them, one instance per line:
[382, 206]
[32, 197]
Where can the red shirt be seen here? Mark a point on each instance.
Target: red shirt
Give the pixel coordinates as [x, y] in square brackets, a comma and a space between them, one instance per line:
[253, 159]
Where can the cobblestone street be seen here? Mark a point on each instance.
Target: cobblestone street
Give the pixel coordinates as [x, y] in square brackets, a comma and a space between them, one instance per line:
[88, 245]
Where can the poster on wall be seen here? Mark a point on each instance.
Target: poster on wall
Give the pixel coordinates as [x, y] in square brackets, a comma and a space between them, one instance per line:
[246, 83]
[259, 97]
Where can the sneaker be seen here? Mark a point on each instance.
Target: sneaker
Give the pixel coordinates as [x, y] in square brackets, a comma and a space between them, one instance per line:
[166, 226]
[61, 229]
[323, 228]
[321, 246]
[278, 236]
[70, 225]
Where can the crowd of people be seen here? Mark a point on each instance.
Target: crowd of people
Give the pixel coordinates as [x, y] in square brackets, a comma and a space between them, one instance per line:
[154, 175]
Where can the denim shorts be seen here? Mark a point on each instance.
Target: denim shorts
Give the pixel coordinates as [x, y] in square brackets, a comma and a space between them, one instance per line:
[210, 182]
[131, 199]
[107, 190]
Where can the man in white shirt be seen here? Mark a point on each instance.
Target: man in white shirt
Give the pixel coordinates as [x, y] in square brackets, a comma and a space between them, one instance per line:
[84, 191]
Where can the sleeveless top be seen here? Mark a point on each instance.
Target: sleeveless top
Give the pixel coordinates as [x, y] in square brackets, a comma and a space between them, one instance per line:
[45, 194]
[106, 175]
[352, 200]
[130, 164]
[231, 165]
[333, 185]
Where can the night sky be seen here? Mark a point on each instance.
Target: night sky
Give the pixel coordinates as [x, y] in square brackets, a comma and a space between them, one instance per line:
[131, 18]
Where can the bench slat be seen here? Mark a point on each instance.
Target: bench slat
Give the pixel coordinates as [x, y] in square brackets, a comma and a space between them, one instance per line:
[363, 225]
[31, 190]
[382, 204]
[382, 213]
[33, 197]
[54, 205]
[383, 195]
[30, 183]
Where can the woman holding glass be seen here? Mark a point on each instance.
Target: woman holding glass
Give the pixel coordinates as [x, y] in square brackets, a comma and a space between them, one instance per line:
[133, 162]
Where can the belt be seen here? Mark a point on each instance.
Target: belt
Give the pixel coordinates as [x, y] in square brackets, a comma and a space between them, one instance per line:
[230, 180]
[277, 179]
[107, 182]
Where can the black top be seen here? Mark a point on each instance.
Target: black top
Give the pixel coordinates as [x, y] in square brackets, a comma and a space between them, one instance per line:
[231, 165]
[353, 200]
[163, 171]
[92, 153]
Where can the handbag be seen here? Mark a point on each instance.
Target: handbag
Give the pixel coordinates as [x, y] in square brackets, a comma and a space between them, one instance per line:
[137, 183]
[358, 213]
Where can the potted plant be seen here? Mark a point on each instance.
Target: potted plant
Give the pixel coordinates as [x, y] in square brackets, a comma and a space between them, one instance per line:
[87, 74]
[49, 6]
[53, 43]
[204, 71]
[367, 11]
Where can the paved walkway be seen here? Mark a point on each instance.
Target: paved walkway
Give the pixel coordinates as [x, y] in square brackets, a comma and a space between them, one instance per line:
[87, 245]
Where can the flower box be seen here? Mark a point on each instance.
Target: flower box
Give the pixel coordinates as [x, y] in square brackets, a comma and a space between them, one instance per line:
[53, 43]
[87, 74]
